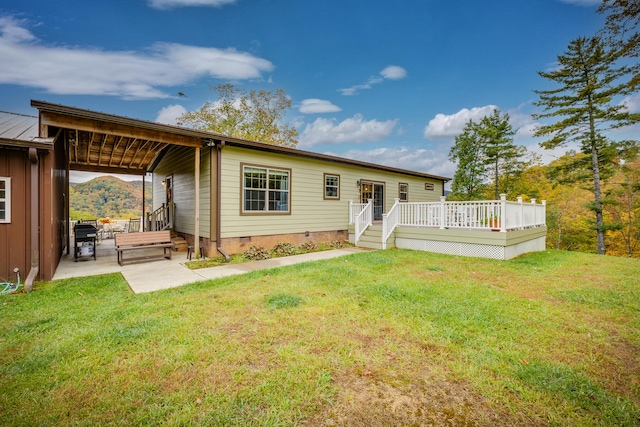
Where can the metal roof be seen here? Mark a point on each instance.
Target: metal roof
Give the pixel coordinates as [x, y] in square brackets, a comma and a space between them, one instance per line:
[21, 130]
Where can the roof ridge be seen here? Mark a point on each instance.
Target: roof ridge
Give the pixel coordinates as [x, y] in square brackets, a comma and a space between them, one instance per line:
[18, 114]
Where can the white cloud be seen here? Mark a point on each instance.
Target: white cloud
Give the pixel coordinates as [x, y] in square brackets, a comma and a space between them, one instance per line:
[355, 129]
[447, 126]
[522, 122]
[169, 114]
[12, 31]
[394, 72]
[585, 3]
[317, 106]
[127, 74]
[170, 4]
[434, 162]
[349, 91]
[632, 103]
[391, 72]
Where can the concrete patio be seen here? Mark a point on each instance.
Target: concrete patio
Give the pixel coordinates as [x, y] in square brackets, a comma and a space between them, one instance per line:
[157, 274]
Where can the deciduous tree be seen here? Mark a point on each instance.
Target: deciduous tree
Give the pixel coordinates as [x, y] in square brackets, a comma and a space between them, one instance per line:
[469, 178]
[624, 205]
[254, 115]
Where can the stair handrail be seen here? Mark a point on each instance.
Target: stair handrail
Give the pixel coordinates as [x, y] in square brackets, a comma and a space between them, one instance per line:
[161, 218]
[363, 220]
[389, 222]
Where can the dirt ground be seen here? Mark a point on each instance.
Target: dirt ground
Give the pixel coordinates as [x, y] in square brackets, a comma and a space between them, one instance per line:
[366, 401]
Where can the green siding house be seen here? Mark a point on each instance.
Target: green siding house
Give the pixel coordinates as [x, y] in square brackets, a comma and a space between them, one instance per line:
[253, 194]
[230, 194]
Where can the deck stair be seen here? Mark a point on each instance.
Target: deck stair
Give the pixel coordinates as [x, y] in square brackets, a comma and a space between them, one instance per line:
[179, 243]
[372, 238]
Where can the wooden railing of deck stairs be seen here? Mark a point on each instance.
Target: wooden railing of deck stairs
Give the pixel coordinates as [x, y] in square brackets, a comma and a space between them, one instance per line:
[161, 218]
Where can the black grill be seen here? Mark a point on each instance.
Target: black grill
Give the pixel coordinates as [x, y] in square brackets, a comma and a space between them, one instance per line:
[84, 233]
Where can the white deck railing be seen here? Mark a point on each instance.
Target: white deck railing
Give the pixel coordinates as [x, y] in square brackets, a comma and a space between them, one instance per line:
[361, 215]
[390, 222]
[481, 215]
[473, 215]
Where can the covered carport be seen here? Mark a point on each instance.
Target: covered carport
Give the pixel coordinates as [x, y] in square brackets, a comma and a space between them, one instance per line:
[90, 141]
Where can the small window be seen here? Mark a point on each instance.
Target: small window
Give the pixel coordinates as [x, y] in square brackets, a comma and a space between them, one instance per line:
[5, 200]
[331, 186]
[403, 192]
[265, 190]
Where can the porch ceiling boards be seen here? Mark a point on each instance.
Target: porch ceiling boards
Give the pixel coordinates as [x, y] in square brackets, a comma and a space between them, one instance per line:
[99, 142]
[96, 151]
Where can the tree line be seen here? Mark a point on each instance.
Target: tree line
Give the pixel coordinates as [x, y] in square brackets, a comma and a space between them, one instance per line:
[593, 193]
[108, 197]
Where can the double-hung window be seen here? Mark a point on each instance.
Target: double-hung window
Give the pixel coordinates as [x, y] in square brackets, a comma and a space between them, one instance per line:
[403, 192]
[331, 186]
[265, 190]
[5, 200]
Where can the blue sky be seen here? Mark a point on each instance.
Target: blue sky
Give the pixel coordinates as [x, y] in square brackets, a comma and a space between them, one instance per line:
[389, 82]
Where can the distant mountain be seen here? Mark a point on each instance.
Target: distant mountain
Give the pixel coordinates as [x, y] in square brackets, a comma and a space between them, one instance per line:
[108, 197]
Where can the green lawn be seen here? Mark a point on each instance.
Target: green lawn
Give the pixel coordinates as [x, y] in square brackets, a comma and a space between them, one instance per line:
[374, 339]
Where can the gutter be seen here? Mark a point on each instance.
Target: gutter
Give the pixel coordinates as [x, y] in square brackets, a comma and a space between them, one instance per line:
[219, 146]
[35, 209]
[243, 143]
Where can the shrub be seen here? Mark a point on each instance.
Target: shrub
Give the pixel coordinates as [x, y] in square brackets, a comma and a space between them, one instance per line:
[336, 244]
[283, 249]
[256, 253]
[308, 247]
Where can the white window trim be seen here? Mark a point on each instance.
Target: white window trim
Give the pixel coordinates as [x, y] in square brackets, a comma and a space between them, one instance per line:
[6, 200]
[337, 186]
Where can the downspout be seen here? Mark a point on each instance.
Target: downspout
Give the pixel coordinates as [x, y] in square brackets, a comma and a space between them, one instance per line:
[196, 232]
[35, 226]
[219, 147]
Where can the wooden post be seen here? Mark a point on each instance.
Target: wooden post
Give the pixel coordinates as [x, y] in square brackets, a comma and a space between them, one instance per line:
[442, 212]
[521, 213]
[143, 196]
[196, 232]
[503, 212]
[535, 216]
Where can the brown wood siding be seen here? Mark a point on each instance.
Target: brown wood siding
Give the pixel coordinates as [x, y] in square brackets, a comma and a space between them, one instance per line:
[15, 237]
[53, 227]
[60, 207]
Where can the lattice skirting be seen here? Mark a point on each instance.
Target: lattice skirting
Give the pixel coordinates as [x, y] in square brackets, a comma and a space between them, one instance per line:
[472, 249]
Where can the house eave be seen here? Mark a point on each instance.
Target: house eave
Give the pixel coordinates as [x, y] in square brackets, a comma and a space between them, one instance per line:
[206, 137]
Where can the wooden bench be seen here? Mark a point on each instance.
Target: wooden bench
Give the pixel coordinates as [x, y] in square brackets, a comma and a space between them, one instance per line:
[144, 241]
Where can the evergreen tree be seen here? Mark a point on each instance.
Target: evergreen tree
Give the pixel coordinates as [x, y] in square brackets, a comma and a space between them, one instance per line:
[502, 156]
[486, 149]
[620, 31]
[583, 104]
